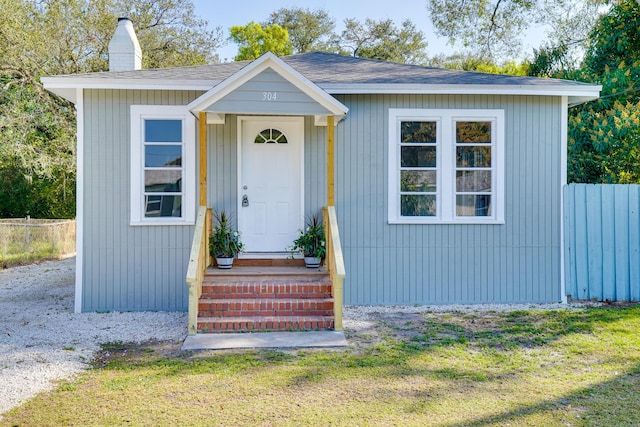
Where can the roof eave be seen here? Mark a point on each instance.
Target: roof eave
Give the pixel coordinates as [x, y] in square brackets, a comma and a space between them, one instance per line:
[66, 86]
[578, 93]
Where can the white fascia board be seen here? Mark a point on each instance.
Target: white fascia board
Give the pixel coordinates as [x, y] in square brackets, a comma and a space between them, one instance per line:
[584, 92]
[268, 60]
[66, 87]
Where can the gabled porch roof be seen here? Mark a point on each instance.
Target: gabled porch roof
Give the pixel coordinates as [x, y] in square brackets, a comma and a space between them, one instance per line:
[268, 86]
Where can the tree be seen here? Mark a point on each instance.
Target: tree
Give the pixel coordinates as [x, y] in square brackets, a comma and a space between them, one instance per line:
[45, 37]
[255, 40]
[468, 62]
[604, 135]
[37, 169]
[308, 30]
[384, 41]
[493, 29]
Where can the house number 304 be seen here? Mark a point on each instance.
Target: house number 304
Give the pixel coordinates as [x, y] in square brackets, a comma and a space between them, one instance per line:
[269, 96]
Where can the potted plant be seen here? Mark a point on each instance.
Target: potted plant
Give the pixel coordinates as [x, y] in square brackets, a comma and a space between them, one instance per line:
[311, 243]
[224, 242]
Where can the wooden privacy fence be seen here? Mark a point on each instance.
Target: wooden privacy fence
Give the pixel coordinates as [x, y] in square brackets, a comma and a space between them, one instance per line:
[602, 242]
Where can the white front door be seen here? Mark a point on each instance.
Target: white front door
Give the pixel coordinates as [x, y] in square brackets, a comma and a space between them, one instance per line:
[270, 170]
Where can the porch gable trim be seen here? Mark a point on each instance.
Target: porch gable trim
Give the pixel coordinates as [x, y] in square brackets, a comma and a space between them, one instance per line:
[268, 60]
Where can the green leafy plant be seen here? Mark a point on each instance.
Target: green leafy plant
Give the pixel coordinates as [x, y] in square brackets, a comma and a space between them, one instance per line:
[224, 241]
[311, 241]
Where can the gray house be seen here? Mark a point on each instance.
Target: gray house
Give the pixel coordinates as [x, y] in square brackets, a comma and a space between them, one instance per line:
[446, 184]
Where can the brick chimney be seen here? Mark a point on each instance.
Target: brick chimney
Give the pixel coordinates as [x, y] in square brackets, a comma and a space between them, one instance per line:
[124, 49]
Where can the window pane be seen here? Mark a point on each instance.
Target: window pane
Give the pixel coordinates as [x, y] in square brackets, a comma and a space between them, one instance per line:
[473, 205]
[418, 157]
[473, 181]
[163, 130]
[163, 181]
[420, 132]
[418, 181]
[163, 206]
[163, 155]
[473, 132]
[418, 205]
[473, 157]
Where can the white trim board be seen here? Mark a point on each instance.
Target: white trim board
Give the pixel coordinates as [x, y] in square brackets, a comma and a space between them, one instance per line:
[79, 201]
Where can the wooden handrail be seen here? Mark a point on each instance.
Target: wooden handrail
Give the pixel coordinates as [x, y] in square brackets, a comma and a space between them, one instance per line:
[335, 261]
[198, 263]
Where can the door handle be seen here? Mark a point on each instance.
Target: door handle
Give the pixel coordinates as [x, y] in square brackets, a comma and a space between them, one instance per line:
[245, 201]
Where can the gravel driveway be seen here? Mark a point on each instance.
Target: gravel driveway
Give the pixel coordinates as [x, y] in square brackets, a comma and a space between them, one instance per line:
[42, 340]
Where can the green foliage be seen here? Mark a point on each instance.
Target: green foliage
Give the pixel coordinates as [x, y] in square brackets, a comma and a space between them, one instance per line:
[549, 61]
[308, 30]
[255, 40]
[493, 29]
[615, 38]
[475, 63]
[224, 241]
[490, 27]
[37, 170]
[48, 37]
[311, 241]
[604, 135]
[384, 41]
[314, 30]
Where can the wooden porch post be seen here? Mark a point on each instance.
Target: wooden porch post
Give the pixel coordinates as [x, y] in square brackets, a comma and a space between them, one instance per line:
[331, 197]
[203, 157]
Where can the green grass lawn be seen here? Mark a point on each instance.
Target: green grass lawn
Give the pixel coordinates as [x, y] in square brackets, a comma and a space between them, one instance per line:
[524, 368]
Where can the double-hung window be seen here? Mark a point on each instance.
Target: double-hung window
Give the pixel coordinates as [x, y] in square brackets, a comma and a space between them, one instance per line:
[162, 165]
[446, 166]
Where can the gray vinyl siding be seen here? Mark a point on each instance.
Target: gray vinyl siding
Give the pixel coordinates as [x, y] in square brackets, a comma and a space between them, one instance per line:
[518, 261]
[144, 267]
[222, 166]
[125, 268]
[282, 97]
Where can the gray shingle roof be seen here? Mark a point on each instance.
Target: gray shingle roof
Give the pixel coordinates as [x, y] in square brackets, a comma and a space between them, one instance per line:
[327, 68]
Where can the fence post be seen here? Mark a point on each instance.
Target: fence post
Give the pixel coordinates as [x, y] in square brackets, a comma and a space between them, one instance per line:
[27, 233]
[52, 229]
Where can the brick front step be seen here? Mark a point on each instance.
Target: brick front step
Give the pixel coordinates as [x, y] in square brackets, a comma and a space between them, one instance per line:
[265, 307]
[263, 323]
[264, 290]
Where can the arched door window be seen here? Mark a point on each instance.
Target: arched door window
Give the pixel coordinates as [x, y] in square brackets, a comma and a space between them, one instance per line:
[270, 136]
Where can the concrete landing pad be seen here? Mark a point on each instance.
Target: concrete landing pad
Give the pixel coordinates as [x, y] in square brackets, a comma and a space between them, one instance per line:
[264, 340]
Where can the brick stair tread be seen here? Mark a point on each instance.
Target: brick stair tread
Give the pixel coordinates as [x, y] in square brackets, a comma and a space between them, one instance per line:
[266, 300]
[263, 323]
[214, 307]
[266, 290]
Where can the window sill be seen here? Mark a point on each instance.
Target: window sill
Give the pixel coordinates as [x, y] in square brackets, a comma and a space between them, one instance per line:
[162, 222]
[446, 222]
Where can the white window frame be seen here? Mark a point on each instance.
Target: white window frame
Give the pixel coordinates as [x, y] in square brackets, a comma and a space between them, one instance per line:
[446, 164]
[139, 113]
